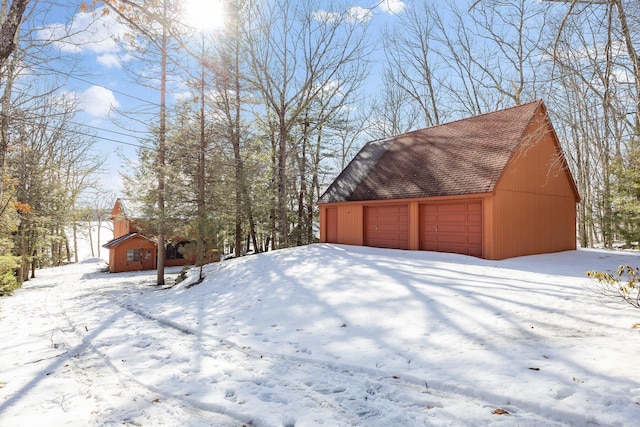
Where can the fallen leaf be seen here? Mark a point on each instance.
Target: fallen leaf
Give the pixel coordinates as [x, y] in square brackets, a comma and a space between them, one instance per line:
[156, 400]
[635, 326]
[344, 325]
[535, 369]
[499, 411]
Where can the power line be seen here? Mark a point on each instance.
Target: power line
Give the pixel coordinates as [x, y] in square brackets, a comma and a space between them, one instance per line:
[90, 135]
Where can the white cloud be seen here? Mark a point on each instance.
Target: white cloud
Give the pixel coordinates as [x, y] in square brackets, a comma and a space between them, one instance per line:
[109, 60]
[359, 14]
[97, 101]
[96, 33]
[353, 14]
[393, 7]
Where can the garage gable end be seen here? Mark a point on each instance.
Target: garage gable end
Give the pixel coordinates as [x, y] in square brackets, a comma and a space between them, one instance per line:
[538, 164]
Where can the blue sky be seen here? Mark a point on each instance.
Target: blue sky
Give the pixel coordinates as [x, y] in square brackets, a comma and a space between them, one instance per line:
[102, 88]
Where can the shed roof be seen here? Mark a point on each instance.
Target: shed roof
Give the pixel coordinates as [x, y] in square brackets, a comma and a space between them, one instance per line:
[462, 157]
[115, 242]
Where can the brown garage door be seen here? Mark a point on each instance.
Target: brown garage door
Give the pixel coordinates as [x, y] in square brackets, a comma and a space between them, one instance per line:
[387, 226]
[452, 227]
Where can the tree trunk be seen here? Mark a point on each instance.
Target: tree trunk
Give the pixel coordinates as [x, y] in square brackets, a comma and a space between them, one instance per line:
[302, 172]
[33, 264]
[75, 241]
[90, 241]
[97, 237]
[161, 150]
[10, 26]
[5, 102]
[283, 232]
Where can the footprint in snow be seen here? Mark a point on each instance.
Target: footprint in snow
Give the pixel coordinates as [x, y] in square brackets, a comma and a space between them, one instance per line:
[230, 395]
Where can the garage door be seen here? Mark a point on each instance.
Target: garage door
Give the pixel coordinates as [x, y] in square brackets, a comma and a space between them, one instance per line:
[452, 227]
[387, 226]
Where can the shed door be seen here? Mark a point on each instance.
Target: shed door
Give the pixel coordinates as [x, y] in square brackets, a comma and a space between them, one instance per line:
[332, 225]
[452, 227]
[387, 226]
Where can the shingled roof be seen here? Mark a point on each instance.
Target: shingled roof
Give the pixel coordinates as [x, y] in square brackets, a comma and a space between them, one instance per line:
[461, 157]
[115, 242]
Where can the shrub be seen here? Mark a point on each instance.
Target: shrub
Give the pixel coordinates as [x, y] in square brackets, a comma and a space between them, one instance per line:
[8, 280]
[621, 286]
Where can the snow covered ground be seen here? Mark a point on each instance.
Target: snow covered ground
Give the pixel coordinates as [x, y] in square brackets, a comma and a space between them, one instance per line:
[324, 335]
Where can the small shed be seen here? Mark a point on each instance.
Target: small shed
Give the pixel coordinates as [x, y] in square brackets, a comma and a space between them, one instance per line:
[493, 186]
[131, 252]
[132, 249]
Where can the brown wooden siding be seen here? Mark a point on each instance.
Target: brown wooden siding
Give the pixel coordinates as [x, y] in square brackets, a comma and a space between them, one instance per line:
[537, 166]
[118, 256]
[532, 224]
[120, 228]
[534, 208]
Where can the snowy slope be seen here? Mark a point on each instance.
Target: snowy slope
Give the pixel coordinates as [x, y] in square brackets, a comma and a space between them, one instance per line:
[324, 335]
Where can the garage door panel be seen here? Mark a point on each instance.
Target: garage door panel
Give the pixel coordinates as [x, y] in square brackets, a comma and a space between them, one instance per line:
[452, 227]
[475, 251]
[452, 238]
[454, 249]
[387, 226]
[475, 229]
[477, 218]
[451, 207]
[390, 235]
[475, 240]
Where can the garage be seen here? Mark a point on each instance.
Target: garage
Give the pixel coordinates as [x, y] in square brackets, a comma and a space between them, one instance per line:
[387, 226]
[452, 227]
[495, 186]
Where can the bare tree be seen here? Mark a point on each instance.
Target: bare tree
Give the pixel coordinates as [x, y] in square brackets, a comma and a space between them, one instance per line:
[411, 57]
[593, 56]
[296, 50]
[393, 110]
[613, 10]
[512, 34]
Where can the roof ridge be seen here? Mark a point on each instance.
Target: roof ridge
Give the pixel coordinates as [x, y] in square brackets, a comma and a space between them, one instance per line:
[538, 100]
